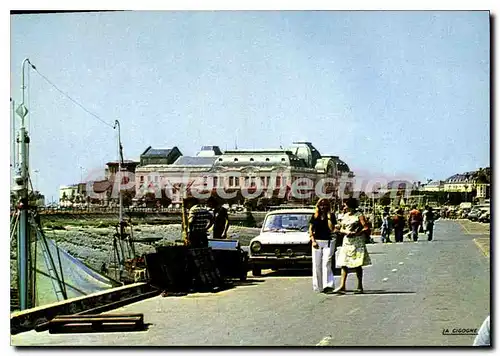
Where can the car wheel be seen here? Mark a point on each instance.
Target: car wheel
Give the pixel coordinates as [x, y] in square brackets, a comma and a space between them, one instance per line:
[256, 272]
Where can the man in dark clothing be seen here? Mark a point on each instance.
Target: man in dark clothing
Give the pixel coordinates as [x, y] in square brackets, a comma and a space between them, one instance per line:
[399, 225]
[414, 221]
[221, 218]
[428, 222]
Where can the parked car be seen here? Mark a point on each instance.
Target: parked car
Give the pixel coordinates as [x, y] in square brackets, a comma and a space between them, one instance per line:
[474, 214]
[477, 211]
[283, 241]
[485, 217]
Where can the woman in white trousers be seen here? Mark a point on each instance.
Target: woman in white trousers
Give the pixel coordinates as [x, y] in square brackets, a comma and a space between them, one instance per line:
[321, 228]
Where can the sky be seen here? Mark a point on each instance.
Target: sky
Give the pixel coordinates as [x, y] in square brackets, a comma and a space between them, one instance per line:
[393, 94]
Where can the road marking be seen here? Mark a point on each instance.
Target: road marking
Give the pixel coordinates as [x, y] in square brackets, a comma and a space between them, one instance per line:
[401, 263]
[385, 279]
[410, 254]
[463, 227]
[395, 270]
[483, 249]
[325, 341]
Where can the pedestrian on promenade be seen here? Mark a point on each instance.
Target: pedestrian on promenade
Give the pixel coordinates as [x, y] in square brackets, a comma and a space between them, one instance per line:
[220, 216]
[199, 221]
[399, 225]
[414, 222]
[386, 226]
[353, 253]
[428, 222]
[321, 229]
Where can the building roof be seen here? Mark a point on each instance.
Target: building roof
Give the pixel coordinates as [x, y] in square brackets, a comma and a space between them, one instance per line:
[341, 165]
[194, 161]
[434, 183]
[467, 177]
[157, 152]
[208, 151]
[127, 162]
[395, 184]
[257, 151]
[101, 186]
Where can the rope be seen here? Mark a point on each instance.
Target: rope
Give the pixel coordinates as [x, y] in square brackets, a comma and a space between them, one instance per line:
[73, 100]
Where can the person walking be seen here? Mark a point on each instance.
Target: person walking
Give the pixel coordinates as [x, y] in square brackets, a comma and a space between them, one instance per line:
[221, 218]
[428, 222]
[321, 228]
[353, 253]
[414, 221]
[399, 225]
[386, 226]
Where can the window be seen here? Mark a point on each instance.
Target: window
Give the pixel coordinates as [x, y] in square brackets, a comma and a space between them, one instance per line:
[142, 179]
[231, 181]
[247, 181]
[156, 179]
[237, 181]
[283, 160]
[236, 159]
[220, 159]
[216, 181]
[252, 182]
[263, 181]
[267, 159]
[278, 181]
[251, 160]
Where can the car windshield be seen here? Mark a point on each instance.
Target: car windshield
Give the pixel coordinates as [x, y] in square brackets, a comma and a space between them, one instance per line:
[283, 222]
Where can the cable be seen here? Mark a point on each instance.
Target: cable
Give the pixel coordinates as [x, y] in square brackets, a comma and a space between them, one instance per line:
[70, 98]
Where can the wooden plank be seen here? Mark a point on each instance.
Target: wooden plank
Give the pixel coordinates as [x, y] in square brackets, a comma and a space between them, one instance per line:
[78, 316]
[93, 320]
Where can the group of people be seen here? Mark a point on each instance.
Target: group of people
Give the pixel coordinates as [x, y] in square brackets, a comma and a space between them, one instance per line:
[417, 221]
[200, 220]
[326, 234]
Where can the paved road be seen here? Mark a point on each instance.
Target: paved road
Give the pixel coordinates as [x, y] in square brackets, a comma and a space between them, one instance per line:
[413, 292]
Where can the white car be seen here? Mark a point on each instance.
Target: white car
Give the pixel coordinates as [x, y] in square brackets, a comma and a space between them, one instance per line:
[283, 241]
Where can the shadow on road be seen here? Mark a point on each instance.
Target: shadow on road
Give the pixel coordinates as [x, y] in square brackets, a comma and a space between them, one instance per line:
[290, 273]
[248, 282]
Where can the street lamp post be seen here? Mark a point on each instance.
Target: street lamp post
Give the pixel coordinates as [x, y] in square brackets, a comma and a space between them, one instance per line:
[22, 182]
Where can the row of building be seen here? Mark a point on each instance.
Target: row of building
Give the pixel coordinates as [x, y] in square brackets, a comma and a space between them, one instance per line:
[273, 171]
[473, 182]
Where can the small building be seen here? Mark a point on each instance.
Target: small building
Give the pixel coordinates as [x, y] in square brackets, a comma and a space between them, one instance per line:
[462, 182]
[433, 186]
[159, 156]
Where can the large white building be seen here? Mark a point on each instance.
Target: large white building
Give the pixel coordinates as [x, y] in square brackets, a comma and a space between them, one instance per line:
[286, 173]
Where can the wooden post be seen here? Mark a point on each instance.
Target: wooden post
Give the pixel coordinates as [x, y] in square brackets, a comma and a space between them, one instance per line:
[184, 218]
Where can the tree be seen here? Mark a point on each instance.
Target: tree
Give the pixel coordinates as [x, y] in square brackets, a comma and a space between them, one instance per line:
[250, 204]
[165, 201]
[127, 197]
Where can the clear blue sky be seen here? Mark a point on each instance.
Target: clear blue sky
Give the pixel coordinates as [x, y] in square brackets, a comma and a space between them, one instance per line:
[391, 93]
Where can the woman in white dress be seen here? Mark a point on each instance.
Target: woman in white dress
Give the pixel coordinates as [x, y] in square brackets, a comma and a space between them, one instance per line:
[353, 253]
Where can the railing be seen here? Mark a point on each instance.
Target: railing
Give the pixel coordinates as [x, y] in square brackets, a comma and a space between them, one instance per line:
[104, 210]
